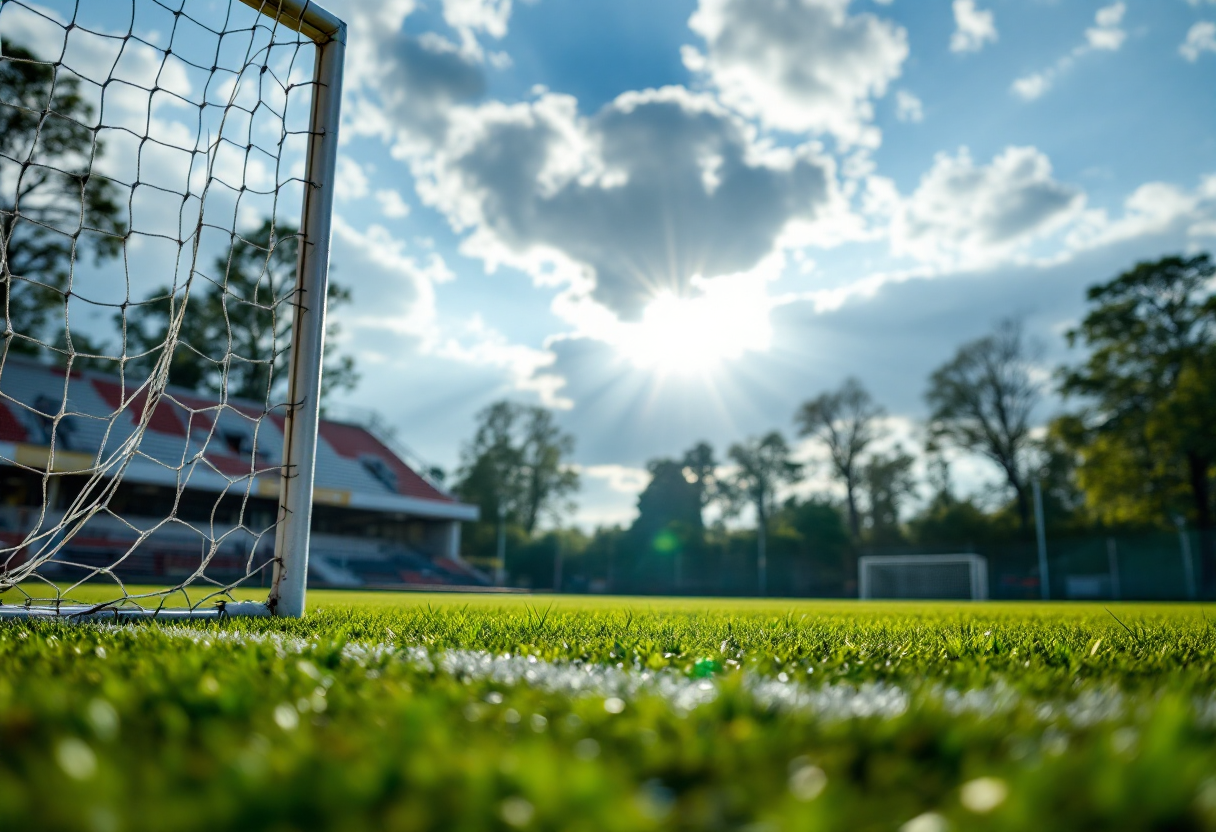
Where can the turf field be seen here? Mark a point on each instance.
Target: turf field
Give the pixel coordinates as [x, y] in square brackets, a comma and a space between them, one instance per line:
[386, 712]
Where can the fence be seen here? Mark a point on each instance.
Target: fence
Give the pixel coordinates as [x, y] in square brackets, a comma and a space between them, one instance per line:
[1164, 566]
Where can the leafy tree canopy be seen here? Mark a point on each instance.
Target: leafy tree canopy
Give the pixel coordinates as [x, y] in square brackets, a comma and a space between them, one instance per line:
[845, 421]
[982, 401]
[1146, 435]
[234, 325]
[517, 460]
[55, 206]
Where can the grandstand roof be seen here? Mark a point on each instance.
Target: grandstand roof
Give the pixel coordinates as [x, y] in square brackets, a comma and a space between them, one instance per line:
[209, 445]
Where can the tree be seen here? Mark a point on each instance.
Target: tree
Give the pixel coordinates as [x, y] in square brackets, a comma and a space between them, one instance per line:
[235, 330]
[668, 523]
[763, 466]
[516, 460]
[846, 421]
[824, 539]
[548, 479]
[982, 401]
[701, 470]
[54, 207]
[887, 482]
[1147, 436]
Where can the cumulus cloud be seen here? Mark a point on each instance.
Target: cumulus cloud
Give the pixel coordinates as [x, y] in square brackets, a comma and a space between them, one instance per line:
[973, 27]
[489, 16]
[656, 189]
[968, 215]
[351, 181]
[392, 205]
[1153, 208]
[396, 299]
[619, 478]
[1032, 86]
[1200, 38]
[421, 80]
[804, 66]
[402, 298]
[908, 107]
[1105, 35]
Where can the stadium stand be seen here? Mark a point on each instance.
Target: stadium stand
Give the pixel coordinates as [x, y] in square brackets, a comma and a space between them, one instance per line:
[376, 521]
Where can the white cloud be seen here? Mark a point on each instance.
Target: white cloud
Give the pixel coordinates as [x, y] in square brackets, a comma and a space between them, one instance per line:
[1030, 87]
[804, 66]
[658, 188]
[1106, 34]
[369, 25]
[965, 216]
[908, 107]
[391, 203]
[1200, 38]
[620, 478]
[973, 27]
[1153, 208]
[351, 180]
[404, 304]
[489, 16]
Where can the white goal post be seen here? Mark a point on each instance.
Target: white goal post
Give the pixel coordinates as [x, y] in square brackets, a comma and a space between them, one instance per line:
[193, 211]
[961, 576]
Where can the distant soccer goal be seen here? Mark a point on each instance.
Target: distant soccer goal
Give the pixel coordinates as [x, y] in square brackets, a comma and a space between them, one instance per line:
[166, 188]
[923, 576]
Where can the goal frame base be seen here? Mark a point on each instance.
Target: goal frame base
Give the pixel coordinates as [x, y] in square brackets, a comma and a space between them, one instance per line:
[98, 613]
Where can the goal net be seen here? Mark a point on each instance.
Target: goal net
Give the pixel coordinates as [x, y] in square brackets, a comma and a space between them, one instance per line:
[923, 576]
[166, 183]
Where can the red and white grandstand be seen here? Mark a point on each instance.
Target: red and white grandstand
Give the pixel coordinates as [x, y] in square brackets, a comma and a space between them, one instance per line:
[214, 471]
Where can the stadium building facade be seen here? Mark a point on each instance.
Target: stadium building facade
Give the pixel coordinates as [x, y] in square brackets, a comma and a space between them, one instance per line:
[199, 497]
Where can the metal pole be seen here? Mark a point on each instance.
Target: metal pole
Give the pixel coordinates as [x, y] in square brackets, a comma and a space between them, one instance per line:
[1041, 534]
[287, 596]
[1188, 566]
[1112, 560]
[761, 559]
[500, 572]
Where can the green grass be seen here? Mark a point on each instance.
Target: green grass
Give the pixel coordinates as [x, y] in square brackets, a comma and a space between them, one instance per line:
[386, 712]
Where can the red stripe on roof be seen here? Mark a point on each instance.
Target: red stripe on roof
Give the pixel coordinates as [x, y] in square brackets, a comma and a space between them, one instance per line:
[354, 442]
[164, 419]
[11, 430]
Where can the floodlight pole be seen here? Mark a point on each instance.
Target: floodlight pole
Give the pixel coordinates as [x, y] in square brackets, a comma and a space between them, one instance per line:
[1188, 565]
[287, 594]
[1112, 560]
[1041, 534]
[500, 571]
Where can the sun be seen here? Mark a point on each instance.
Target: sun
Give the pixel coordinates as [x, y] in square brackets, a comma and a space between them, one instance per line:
[695, 335]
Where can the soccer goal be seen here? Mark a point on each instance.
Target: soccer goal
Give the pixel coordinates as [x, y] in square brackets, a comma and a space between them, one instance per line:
[166, 187]
[923, 576]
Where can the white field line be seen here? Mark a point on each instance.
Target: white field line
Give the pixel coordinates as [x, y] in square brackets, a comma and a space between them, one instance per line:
[831, 702]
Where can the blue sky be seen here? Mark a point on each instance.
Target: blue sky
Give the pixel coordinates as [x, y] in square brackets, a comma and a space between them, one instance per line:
[676, 221]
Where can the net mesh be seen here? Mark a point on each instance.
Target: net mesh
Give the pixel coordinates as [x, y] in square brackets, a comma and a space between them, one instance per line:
[152, 164]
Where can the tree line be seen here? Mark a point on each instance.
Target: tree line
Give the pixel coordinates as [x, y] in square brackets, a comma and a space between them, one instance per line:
[1133, 451]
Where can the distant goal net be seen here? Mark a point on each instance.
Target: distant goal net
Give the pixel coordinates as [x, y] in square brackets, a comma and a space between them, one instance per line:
[166, 186]
[962, 577]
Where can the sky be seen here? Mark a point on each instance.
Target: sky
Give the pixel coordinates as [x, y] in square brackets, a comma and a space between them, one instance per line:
[672, 222]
